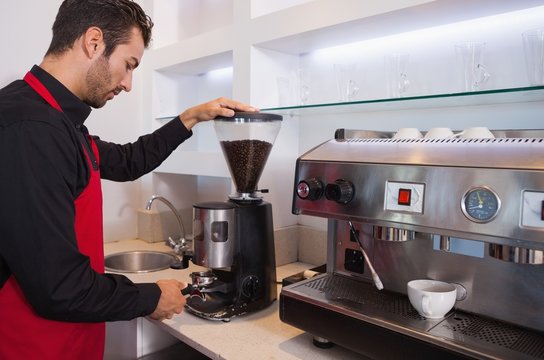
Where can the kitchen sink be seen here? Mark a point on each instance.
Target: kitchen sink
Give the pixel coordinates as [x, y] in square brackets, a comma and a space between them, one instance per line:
[138, 261]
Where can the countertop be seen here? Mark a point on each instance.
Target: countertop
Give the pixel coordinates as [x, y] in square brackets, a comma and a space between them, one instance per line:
[259, 335]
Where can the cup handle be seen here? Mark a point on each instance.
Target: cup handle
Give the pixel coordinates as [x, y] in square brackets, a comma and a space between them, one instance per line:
[304, 94]
[353, 89]
[404, 83]
[483, 75]
[426, 305]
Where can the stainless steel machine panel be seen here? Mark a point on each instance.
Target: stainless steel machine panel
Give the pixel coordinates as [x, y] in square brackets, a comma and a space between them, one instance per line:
[446, 171]
[441, 198]
[466, 211]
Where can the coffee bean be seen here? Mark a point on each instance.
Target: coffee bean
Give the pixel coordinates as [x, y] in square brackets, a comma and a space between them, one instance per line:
[246, 160]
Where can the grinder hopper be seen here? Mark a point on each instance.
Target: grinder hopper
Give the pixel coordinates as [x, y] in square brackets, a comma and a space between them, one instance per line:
[246, 140]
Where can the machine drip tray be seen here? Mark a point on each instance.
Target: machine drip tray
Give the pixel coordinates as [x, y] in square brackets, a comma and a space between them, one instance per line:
[461, 332]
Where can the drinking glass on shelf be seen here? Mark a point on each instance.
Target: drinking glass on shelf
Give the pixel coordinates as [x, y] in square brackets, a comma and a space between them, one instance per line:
[293, 89]
[285, 91]
[346, 85]
[469, 56]
[303, 90]
[395, 74]
[533, 46]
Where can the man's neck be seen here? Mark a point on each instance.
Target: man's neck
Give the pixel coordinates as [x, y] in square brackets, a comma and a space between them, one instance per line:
[67, 71]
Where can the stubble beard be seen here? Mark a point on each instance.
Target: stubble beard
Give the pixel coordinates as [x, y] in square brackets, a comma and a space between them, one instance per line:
[98, 82]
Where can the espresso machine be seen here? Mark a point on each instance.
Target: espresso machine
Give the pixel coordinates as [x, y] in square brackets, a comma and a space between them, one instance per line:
[469, 212]
[234, 239]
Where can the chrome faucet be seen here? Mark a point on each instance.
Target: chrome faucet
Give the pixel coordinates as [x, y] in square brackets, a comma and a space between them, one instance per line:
[179, 245]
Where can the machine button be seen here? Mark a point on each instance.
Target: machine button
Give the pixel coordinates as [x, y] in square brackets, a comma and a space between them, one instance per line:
[251, 286]
[341, 191]
[310, 189]
[405, 196]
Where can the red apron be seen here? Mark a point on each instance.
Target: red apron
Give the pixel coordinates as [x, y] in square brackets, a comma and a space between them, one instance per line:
[24, 334]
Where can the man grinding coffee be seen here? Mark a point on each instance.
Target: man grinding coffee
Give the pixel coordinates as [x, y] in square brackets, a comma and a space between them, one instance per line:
[54, 295]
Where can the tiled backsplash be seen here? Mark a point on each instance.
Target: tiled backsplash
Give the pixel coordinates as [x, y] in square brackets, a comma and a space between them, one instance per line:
[154, 226]
[300, 243]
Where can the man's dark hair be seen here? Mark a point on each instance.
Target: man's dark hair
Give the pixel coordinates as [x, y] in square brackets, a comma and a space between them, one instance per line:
[116, 19]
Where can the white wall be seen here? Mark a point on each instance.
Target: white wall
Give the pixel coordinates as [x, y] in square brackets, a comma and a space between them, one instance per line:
[26, 28]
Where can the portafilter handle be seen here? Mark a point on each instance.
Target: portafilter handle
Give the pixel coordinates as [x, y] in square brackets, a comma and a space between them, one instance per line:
[193, 291]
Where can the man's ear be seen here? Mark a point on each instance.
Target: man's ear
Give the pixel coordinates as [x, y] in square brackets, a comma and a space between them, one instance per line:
[93, 42]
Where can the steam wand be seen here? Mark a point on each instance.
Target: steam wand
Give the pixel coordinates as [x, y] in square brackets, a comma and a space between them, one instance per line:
[375, 277]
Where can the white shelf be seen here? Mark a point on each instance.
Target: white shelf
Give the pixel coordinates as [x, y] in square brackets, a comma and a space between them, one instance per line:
[264, 7]
[177, 20]
[354, 20]
[196, 55]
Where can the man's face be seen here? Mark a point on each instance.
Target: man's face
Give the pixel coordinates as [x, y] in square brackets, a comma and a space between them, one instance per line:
[108, 77]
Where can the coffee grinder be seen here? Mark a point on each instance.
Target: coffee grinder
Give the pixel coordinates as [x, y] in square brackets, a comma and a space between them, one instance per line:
[234, 239]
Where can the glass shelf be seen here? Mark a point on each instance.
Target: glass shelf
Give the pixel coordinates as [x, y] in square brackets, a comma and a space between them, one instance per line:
[486, 97]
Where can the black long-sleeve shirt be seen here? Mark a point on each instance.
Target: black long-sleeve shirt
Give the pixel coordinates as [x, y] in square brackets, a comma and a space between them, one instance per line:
[43, 169]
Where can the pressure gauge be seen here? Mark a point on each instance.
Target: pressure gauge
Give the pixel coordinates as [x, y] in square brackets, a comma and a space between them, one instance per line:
[480, 204]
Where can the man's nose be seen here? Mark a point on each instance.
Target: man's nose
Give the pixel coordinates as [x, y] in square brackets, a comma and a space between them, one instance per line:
[126, 84]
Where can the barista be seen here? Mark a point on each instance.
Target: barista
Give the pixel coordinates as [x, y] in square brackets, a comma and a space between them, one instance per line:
[54, 295]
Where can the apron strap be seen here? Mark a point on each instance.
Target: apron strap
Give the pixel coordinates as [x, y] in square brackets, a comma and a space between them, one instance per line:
[36, 84]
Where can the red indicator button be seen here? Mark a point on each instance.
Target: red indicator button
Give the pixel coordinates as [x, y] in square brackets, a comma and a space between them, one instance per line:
[405, 196]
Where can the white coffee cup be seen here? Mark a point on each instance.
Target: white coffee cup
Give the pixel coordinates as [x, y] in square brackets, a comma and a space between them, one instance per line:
[439, 133]
[431, 298]
[408, 133]
[476, 133]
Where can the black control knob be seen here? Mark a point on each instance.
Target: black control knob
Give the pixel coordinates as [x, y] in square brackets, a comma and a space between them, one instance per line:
[310, 189]
[341, 191]
[251, 286]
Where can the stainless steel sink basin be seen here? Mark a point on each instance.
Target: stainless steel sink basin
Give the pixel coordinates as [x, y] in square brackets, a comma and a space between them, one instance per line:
[138, 261]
